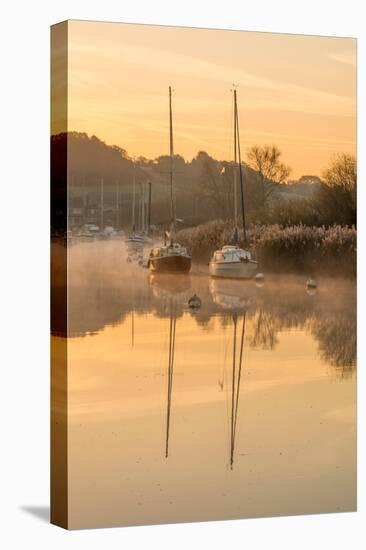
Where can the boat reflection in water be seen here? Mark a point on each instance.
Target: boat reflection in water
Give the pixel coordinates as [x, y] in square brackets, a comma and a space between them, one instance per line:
[170, 291]
[172, 329]
[232, 295]
[232, 381]
[166, 286]
[237, 362]
[174, 291]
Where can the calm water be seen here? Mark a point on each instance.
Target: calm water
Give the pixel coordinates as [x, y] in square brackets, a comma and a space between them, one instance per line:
[244, 408]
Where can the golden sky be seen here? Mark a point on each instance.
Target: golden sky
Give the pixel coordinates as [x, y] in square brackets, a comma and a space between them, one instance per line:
[298, 92]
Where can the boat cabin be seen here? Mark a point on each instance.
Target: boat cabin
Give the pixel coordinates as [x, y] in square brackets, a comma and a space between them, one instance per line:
[168, 250]
[231, 253]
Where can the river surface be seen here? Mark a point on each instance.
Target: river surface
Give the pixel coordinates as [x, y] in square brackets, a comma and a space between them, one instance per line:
[243, 408]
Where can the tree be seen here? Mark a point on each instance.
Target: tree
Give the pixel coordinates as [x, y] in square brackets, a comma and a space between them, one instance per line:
[163, 164]
[214, 192]
[336, 197]
[121, 151]
[266, 160]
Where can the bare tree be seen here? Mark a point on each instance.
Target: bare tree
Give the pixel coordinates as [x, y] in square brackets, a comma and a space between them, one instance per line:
[336, 198]
[266, 160]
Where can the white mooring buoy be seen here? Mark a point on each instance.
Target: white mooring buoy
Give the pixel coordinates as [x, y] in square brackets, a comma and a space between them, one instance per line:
[259, 279]
[311, 283]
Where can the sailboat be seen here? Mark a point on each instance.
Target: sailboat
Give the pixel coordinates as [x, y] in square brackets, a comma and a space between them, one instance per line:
[232, 261]
[171, 257]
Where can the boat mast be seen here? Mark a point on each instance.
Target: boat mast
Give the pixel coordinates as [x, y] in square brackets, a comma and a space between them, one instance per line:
[240, 168]
[235, 174]
[149, 208]
[85, 199]
[171, 153]
[133, 198]
[117, 204]
[102, 204]
[142, 190]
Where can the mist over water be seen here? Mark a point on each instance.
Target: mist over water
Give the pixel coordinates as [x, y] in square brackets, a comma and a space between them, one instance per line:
[104, 288]
[253, 394]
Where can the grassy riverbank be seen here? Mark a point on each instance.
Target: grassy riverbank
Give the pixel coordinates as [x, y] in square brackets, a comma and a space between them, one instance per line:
[296, 248]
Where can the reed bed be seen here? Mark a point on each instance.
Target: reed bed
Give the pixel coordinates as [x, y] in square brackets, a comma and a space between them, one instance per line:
[298, 248]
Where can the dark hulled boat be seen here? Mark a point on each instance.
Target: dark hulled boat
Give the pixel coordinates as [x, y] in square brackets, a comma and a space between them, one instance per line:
[170, 257]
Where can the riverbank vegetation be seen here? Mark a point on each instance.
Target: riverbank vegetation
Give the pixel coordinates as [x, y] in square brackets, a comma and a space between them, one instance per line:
[298, 248]
[314, 234]
[306, 224]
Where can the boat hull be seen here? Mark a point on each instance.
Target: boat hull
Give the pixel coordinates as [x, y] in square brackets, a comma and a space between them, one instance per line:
[233, 270]
[174, 263]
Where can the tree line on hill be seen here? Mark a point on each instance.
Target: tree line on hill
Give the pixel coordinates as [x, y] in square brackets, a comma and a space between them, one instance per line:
[204, 185]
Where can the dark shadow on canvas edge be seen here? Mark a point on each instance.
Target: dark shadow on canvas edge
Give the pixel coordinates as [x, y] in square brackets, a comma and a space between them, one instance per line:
[40, 512]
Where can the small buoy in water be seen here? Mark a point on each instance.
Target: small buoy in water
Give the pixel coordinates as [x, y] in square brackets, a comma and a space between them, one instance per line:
[259, 279]
[194, 302]
[311, 283]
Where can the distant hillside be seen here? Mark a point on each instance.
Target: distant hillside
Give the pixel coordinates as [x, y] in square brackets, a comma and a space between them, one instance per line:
[204, 185]
[89, 160]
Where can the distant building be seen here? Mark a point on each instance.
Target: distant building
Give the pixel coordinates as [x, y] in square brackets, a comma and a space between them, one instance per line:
[81, 211]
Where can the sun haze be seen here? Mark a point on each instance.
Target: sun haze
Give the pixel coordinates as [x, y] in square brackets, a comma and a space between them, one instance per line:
[298, 92]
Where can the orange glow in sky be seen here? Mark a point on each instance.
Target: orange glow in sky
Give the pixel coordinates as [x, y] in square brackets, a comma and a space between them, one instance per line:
[298, 92]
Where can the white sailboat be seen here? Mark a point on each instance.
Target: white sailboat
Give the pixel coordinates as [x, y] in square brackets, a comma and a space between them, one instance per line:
[231, 261]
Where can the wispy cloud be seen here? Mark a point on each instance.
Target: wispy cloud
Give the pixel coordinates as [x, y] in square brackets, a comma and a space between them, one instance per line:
[344, 57]
[305, 103]
[286, 94]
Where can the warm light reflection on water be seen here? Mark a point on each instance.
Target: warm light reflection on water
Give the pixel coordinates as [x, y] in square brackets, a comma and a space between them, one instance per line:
[164, 424]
